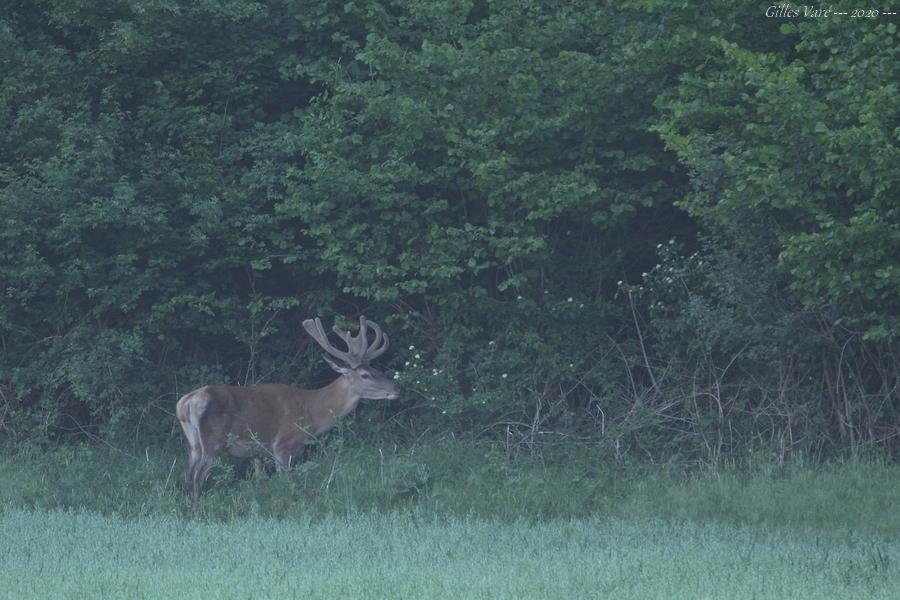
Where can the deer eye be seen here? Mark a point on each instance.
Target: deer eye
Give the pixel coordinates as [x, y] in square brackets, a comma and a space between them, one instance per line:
[365, 376]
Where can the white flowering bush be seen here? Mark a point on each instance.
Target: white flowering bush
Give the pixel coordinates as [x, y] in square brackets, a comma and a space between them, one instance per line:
[540, 355]
[428, 383]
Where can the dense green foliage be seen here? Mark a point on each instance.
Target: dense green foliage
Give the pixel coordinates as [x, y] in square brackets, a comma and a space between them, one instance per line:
[675, 235]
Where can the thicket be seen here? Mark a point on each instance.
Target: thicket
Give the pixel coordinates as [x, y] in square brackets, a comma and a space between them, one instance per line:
[670, 233]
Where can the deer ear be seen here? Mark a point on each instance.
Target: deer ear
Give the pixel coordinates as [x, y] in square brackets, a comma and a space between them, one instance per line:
[342, 369]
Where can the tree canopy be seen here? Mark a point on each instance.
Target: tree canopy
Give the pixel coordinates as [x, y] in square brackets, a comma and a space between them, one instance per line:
[665, 228]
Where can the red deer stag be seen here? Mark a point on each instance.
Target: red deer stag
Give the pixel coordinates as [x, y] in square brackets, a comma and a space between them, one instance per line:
[275, 420]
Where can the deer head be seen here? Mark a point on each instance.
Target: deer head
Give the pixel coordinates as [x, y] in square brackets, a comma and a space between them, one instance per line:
[353, 364]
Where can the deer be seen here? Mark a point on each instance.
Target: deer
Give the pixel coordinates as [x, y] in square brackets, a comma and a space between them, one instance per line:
[277, 420]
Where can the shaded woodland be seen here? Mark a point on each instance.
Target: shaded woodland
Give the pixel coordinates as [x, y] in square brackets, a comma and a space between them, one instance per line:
[670, 231]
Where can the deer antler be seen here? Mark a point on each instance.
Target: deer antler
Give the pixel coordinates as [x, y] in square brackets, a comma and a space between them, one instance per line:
[374, 351]
[314, 328]
[358, 351]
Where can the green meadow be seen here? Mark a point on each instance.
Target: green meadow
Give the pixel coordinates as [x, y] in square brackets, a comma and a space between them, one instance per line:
[433, 522]
[61, 554]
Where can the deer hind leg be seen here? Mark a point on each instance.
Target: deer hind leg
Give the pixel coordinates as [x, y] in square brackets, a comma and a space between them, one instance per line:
[201, 474]
[190, 412]
[195, 446]
[195, 454]
[193, 463]
[209, 450]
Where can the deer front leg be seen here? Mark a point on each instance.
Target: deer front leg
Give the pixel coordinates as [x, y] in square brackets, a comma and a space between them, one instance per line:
[287, 454]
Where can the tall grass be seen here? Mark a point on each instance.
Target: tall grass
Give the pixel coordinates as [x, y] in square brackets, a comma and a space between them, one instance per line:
[70, 555]
[444, 519]
[454, 478]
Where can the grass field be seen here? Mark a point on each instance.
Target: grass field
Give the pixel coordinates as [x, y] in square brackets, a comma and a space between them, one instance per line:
[462, 479]
[443, 520]
[70, 555]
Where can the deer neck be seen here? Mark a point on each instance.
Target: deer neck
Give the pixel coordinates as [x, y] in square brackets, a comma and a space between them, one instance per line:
[332, 402]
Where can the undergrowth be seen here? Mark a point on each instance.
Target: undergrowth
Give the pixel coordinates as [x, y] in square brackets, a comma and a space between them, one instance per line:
[452, 477]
